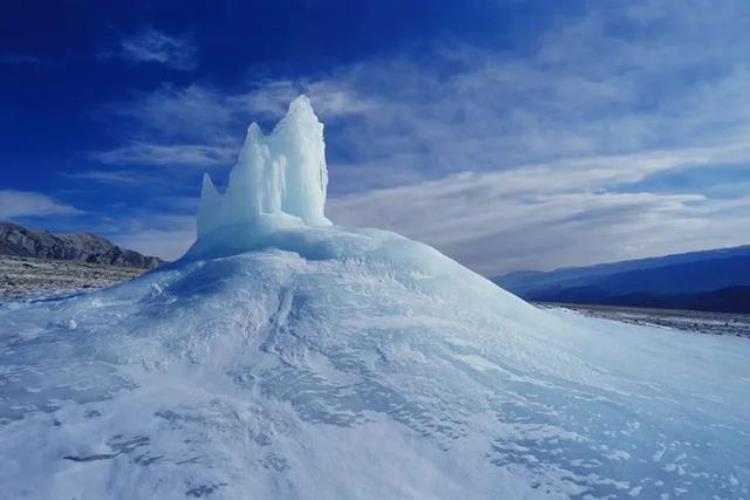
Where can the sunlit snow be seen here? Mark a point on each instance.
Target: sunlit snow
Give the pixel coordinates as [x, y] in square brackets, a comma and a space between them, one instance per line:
[285, 357]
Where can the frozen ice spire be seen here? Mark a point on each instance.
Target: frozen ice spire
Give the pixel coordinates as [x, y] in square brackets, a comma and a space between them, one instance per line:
[283, 173]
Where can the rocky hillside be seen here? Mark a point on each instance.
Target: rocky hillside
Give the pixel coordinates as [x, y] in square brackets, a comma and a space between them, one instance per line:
[19, 241]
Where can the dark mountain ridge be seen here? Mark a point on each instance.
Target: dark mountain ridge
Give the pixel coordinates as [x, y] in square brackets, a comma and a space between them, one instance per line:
[19, 241]
[710, 280]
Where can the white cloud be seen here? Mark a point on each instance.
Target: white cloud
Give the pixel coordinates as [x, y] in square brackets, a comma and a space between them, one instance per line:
[152, 46]
[105, 177]
[588, 113]
[169, 113]
[166, 244]
[527, 218]
[550, 139]
[201, 127]
[159, 154]
[31, 204]
[163, 235]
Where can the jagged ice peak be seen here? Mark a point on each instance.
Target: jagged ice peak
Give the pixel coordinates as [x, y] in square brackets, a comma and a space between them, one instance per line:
[278, 178]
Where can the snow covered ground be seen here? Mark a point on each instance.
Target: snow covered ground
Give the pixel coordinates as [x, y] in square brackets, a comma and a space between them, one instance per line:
[711, 323]
[284, 357]
[362, 365]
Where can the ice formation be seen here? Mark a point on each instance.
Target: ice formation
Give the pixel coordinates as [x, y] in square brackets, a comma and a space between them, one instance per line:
[282, 174]
[315, 361]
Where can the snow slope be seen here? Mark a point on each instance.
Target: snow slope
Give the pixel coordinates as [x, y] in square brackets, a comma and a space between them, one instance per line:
[289, 358]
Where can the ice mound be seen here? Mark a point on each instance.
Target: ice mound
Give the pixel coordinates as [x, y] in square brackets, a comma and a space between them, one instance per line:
[287, 358]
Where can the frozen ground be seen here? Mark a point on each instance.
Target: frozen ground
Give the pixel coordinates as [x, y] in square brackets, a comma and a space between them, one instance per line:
[357, 364]
[25, 276]
[285, 357]
[736, 325]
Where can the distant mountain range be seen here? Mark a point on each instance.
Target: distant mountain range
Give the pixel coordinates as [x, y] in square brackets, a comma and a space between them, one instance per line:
[711, 280]
[19, 241]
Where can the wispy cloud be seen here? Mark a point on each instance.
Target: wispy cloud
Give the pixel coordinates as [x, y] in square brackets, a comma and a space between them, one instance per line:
[165, 235]
[170, 113]
[200, 126]
[32, 204]
[167, 244]
[592, 111]
[174, 154]
[153, 46]
[510, 160]
[549, 215]
[104, 177]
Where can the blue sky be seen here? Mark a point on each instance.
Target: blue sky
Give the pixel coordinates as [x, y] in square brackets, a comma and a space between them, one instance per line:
[511, 135]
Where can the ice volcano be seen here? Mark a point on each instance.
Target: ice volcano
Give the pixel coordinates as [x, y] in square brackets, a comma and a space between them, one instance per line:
[285, 357]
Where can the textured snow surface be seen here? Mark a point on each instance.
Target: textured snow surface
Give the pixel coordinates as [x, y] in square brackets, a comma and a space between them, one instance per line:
[334, 363]
[283, 357]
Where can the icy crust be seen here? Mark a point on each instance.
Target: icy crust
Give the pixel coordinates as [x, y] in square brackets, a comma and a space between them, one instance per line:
[357, 364]
[284, 173]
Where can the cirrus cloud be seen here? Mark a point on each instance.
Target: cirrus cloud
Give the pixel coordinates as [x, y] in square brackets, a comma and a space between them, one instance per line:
[14, 204]
[153, 46]
[507, 160]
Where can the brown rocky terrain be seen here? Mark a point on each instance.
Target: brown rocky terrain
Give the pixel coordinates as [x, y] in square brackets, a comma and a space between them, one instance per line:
[23, 276]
